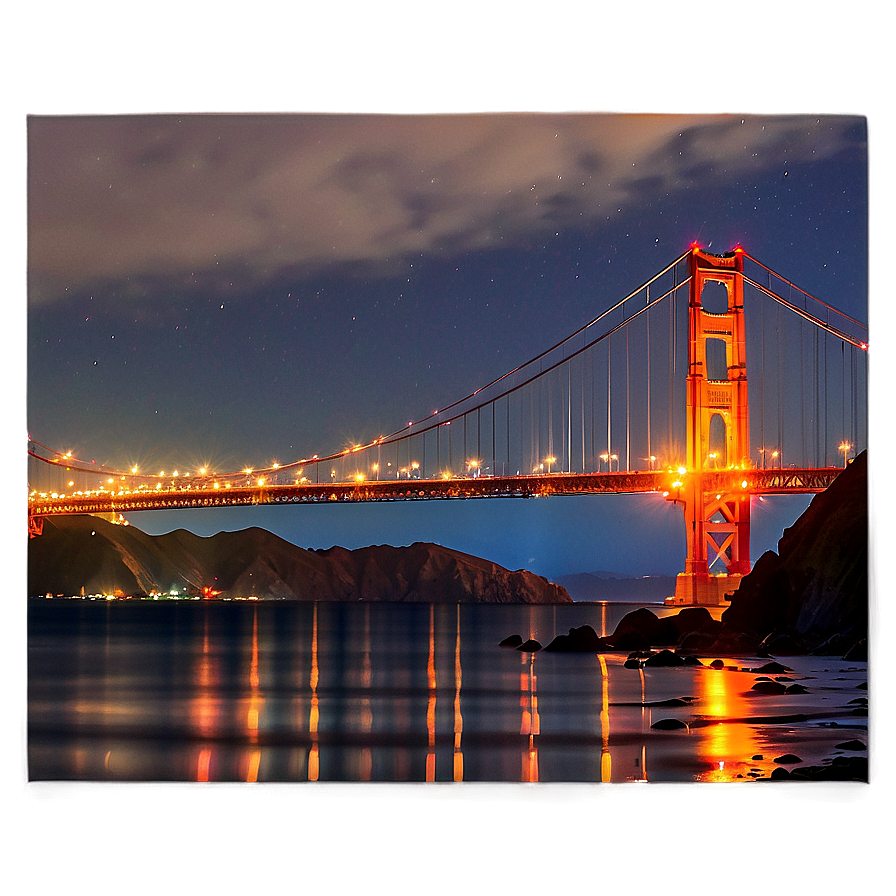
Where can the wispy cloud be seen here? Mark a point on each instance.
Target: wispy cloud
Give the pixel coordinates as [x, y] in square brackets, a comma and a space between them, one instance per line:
[122, 201]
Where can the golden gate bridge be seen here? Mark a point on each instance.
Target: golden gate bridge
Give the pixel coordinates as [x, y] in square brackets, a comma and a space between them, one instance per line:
[652, 395]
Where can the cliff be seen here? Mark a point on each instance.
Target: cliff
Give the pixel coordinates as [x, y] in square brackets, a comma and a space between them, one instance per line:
[90, 553]
[815, 588]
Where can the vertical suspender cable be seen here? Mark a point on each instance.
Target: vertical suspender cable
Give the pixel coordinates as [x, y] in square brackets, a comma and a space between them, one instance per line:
[568, 412]
[494, 449]
[815, 392]
[824, 405]
[762, 382]
[801, 330]
[780, 445]
[843, 432]
[649, 450]
[609, 450]
[584, 468]
[591, 354]
[628, 414]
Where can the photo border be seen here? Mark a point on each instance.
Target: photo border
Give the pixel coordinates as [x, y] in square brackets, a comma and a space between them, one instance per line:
[75, 57]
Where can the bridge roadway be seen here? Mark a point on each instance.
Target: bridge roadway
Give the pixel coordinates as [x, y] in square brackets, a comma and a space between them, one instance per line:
[752, 481]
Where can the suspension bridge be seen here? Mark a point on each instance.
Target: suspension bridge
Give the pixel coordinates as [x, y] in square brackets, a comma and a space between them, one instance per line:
[652, 395]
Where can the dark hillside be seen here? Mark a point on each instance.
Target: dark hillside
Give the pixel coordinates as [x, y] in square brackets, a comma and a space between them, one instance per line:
[90, 553]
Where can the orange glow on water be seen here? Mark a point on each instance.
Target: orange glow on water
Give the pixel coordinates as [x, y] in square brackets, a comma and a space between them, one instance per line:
[252, 770]
[458, 718]
[202, 765]
[431, 704]
[530, 723]
[366, 765]
[314, 713]
[605, 761]
[726, 746]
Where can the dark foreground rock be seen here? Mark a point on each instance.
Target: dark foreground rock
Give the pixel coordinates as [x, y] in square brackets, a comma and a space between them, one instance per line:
[812, 595]
[583, 639]
[841, 768]
[90, 553]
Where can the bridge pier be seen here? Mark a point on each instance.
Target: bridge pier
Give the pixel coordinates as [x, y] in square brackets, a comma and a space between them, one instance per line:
[703, 590]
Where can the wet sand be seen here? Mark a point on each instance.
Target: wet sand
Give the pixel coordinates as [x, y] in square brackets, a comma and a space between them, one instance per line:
[811, 722]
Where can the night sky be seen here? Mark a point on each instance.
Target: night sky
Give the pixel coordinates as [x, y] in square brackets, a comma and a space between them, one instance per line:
[230, 291]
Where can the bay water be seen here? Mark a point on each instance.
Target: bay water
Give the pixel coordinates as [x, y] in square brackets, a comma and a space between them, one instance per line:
[284, 691]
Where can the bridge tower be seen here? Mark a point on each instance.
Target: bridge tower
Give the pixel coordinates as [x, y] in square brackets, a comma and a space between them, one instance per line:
[717, 520]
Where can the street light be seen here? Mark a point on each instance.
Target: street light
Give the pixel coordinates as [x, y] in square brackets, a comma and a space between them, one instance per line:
[845, 448]
[549, 461]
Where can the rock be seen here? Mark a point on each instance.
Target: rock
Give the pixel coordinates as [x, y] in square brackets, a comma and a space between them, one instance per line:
[780, 774]
[693, 619]
[691, 661]
[773, 667]
[756, 758]
[858, 652]
[717, 664]
[734, 643]
[579, 640]
[664, 658]
[788, 759]
[768, 687]
[796, 689]
[851, 745]
[842, 768]
[699, 642]
[816, 586]
[836, 645]
[512, 641]
[630, 641]
[640, 629]
[530, 646]
[785, 643]
[632, 663]
[669, 725]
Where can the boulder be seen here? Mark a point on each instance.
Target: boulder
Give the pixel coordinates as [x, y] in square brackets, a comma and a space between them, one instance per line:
[530, 646]
[773, 667]
[669, 725]
[583, 639]
[645, 626]
[769, 687]
[788, 759]
[512, 641]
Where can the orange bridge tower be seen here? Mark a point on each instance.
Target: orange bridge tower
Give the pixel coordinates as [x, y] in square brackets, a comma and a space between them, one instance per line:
[717, 517]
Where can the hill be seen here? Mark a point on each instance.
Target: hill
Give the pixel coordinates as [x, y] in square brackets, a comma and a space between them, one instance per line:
[88, 552]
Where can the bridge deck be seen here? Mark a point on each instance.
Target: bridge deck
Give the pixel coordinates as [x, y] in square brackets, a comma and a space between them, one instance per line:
[785, 481]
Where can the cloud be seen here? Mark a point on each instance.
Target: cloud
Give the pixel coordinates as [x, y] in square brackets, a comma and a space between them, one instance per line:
[117, 202]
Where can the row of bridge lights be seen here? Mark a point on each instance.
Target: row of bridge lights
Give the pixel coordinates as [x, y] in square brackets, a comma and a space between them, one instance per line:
[474, 468]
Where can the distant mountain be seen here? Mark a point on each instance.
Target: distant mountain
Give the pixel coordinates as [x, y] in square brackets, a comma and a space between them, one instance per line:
[591, 586]
[88, 552]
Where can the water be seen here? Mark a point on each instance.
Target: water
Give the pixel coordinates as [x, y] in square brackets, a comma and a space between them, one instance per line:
[289, 691]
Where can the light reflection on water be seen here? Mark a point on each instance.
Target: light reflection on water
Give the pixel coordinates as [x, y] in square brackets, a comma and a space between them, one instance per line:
[370, 692]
